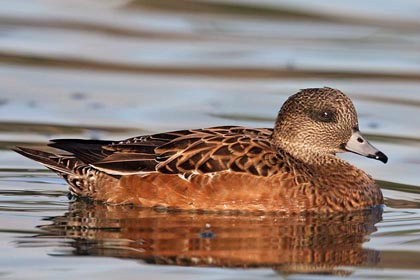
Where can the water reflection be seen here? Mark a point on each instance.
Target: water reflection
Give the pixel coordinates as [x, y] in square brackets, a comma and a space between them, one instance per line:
[299, 243]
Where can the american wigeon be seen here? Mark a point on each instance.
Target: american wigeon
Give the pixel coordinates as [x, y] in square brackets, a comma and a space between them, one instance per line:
[291, 168]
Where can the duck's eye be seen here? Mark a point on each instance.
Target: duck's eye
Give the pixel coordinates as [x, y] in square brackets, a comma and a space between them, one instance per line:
[326, 116]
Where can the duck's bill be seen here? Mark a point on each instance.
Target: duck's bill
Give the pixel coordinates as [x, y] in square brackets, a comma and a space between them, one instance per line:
[359, 145]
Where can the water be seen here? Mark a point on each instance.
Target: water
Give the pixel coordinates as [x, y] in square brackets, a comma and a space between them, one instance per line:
[114, 69]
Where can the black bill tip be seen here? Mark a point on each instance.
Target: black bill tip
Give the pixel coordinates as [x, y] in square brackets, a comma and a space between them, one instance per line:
[379, 156]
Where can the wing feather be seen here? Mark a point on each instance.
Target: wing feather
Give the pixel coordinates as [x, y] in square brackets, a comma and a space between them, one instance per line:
[237, 149]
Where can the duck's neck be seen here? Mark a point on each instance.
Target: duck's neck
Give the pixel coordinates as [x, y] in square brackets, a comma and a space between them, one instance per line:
[309, 155]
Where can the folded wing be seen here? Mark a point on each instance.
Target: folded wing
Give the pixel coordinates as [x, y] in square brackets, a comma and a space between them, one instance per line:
[236, 149]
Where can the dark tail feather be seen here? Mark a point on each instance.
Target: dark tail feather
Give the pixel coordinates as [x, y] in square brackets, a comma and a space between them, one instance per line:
[88, 151]
[67, 166]
[61, 164]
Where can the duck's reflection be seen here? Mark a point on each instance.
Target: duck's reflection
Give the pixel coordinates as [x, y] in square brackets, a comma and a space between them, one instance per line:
[298, 243]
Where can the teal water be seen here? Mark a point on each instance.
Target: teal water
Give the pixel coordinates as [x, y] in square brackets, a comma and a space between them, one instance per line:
[114, 69]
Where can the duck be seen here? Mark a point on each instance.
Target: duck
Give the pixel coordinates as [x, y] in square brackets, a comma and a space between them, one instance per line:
[290, 168]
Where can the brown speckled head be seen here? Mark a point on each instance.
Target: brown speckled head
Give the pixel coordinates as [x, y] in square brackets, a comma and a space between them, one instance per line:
[315, 121]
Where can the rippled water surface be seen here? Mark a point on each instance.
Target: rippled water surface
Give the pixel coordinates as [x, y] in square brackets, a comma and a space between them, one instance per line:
[117, 68]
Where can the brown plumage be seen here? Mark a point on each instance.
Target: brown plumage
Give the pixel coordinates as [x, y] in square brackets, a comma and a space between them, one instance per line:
[292, 168]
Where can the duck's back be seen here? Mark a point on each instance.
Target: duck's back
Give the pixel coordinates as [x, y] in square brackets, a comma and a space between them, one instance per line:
[184, 152]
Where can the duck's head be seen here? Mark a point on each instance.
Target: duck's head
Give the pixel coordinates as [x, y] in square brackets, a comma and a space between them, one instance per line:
[320, 122]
